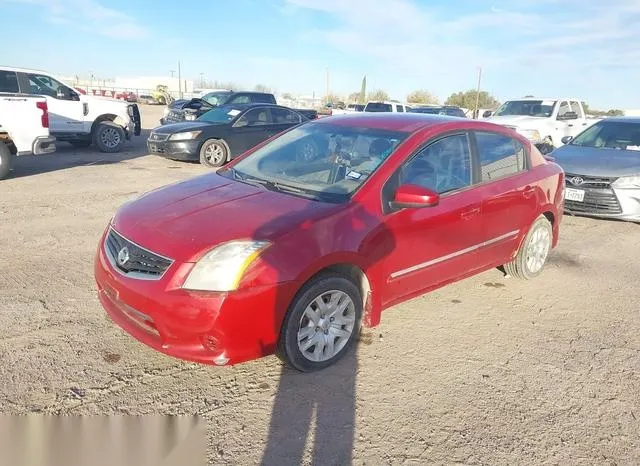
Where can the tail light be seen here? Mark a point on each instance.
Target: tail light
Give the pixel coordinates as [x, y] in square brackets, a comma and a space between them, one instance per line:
[45, 113]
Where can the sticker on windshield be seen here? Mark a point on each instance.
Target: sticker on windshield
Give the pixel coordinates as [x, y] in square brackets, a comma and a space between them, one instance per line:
[233, 112]
[354, 175]
[633, 147]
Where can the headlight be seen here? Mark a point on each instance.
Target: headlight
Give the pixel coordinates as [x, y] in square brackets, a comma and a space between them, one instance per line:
[165, 112]
[185, 135]
[222, 268]
[531, 134]
[628, 182]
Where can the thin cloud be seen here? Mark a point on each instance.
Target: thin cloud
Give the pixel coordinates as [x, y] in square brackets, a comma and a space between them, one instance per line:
[89, 16]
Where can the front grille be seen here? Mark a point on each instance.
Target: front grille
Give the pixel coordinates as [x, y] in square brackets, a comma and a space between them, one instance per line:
[133, 260]
[599, 197]
[158, 137]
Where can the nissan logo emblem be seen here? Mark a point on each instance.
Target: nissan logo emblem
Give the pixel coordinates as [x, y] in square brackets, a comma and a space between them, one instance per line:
[576, 180]
[123, 256]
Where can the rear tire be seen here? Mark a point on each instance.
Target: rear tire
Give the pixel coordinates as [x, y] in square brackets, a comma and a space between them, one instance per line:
[213, 153]
[6, 160]
[109, 137]
[322, 323]
[534, 251]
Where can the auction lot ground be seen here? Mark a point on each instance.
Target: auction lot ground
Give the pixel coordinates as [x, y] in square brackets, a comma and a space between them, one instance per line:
[487, 371]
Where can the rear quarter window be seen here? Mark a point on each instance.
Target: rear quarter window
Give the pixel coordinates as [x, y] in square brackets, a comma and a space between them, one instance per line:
[499, 155]
[9, 82]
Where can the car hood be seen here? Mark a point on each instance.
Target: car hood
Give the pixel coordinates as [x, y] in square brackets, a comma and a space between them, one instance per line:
[593, 161]
[182, 126]
[183, 221]
[519, 121]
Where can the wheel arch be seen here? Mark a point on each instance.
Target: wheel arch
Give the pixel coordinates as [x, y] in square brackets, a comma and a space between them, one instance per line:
[107, 117]
[354, 270]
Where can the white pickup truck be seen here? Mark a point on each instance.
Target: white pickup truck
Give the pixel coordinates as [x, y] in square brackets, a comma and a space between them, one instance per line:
[76, 118]
[542, 120]
[24, 129]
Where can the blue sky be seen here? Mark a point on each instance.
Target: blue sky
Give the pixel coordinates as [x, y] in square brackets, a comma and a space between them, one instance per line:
[541, 47]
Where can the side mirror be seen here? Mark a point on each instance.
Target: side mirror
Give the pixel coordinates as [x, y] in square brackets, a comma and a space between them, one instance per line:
[566, 139]
[409, 196]
[241, 123]
[487, 114]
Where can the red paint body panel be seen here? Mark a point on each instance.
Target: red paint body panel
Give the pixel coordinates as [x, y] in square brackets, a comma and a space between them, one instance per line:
[402, 254]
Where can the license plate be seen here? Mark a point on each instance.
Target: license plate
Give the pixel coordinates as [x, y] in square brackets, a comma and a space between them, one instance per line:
[572, 194]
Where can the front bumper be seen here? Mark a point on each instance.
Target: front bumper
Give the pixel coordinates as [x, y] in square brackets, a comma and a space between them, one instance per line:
[620, 204]
[175, 150]
[207, 328]
[44, 145]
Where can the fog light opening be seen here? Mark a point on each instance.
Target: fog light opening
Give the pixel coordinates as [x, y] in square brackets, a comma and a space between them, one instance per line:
[210, 343]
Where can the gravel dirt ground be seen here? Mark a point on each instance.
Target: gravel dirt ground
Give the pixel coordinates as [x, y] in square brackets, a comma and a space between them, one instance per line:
[490, 370]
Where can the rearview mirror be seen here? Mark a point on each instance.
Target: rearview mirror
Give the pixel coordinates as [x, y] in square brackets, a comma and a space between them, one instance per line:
[409, 196]
[487, 114]
[566, 139]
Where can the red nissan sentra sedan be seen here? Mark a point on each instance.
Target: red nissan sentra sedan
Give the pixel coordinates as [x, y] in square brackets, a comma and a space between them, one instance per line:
[294, 245]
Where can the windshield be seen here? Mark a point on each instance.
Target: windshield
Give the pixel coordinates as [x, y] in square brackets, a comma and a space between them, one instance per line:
[216, 98]
[223, 114]
[532, 108]
[377, 107]
[320, 161]
[610, 135]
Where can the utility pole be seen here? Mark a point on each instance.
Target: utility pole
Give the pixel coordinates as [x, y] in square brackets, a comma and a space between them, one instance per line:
[172, 72]
[201, 79]
[179, 81]
[328, 87]
[475, 112]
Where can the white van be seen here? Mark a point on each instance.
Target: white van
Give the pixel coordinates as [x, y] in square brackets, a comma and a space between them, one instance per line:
[386, 106]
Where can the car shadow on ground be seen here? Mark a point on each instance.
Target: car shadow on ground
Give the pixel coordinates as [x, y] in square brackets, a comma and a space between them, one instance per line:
[66, 156]
[314, 414]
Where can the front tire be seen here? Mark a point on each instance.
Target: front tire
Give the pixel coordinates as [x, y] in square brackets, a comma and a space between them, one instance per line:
[533, 252]
[322, 323]
[213, 153]
[109, 137]
[6, 160]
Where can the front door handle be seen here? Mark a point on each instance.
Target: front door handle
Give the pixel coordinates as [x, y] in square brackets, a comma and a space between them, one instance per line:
[470, 213]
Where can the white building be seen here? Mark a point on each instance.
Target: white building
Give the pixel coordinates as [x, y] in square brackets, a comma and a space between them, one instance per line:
[151, 82]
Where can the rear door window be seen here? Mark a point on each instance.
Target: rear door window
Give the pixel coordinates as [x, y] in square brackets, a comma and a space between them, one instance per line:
[283, 116]
[378, 107]
[499, 155]
[9, 82]
[399, 108]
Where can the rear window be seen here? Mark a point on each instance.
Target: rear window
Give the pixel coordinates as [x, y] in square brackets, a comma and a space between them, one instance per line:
[264, 99]
[9, 82]
[378, 107]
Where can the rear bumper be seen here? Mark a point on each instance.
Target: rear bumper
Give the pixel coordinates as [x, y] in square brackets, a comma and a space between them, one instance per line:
[44, 145]
[175, 150]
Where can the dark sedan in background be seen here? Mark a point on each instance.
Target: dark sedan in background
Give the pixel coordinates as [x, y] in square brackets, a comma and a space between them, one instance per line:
[222, 133]
[447, 110]
[602, 166]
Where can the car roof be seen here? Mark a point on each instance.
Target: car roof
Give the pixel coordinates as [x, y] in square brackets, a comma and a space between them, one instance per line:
[544, 98]
[624, 119]
[403, 122]
[21, 70]
[252, 105]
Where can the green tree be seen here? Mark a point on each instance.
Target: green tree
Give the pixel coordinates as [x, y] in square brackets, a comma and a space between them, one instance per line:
[615, 112]
[378, 96]
[421, 97]
[468, 100]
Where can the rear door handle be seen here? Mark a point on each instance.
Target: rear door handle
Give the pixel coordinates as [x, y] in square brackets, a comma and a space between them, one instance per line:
[529, 191]
[470, 213]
